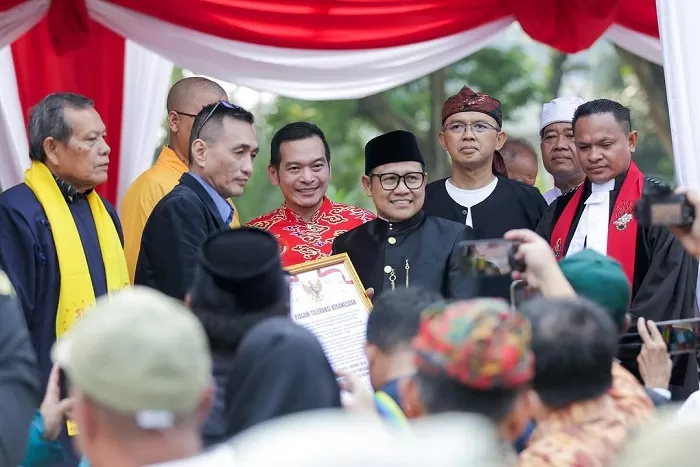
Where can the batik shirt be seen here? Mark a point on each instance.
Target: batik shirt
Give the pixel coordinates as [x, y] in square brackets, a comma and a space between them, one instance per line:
[631, 399]
[585, 434]
[302, 241]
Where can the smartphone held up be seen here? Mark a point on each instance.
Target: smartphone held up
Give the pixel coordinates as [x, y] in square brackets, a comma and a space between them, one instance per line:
[489, 258]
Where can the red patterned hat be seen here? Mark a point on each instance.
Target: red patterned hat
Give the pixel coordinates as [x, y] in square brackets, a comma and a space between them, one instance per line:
[480, 343]
[467, 100]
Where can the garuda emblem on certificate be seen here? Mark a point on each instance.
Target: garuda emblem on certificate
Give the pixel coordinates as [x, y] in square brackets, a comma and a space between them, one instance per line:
[313, 289]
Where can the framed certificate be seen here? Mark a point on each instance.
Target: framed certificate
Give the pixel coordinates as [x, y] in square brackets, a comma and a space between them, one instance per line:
[328, 299]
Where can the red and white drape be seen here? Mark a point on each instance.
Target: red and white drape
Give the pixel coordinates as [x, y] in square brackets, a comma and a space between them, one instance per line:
[308, 49]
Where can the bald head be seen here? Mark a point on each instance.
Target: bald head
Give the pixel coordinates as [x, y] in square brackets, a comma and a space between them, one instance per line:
[185, 99]
[192, 89]
[521, 160]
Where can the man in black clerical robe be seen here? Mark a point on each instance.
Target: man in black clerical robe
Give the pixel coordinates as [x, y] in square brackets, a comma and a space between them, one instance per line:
[404, 247]
[479, 193]
[663, 276]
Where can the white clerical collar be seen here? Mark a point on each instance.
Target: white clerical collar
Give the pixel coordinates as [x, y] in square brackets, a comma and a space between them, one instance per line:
[603, 187]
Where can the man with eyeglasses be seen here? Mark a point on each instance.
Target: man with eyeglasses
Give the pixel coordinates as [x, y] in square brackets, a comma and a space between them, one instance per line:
[223, 145]
[404, 247]
[476, 194]
[185, 99]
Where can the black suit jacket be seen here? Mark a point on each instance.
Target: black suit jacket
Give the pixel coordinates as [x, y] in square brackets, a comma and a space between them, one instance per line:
[173, 236]
[429, 244]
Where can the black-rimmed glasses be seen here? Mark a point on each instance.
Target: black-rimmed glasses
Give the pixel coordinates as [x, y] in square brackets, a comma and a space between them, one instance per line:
[390, 181]
[458, 128]
[226, 104]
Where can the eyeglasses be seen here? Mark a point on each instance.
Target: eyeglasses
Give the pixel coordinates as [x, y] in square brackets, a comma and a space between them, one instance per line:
[390, 181]
[228, 105]
[458, 128]
[184, 113]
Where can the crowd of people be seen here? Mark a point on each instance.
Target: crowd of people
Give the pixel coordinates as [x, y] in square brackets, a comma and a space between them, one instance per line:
[162, 335]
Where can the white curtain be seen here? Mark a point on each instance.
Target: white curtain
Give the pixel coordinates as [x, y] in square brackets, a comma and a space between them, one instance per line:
[301, 74]
[14, 149]
[146, 82]
[640, 44]
[680, 36]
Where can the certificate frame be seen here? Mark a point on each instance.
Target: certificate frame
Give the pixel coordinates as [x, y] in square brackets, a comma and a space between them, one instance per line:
[341, 259]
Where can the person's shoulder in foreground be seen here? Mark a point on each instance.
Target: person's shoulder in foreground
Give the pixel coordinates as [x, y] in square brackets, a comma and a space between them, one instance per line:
[19, 385]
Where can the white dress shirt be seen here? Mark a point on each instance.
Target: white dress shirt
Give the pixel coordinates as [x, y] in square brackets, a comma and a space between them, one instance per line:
[592, 229]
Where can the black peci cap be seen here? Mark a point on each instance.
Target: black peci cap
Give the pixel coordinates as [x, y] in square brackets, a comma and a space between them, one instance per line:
[396, 146]
[245, 264]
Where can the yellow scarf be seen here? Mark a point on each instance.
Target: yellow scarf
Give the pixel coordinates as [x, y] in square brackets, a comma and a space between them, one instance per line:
[76, 293]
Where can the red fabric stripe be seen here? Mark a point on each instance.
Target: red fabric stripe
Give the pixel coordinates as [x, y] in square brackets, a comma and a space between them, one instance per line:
[7, 4]
[639, 16]
[568, 25]
[94, 68]
[622, 242]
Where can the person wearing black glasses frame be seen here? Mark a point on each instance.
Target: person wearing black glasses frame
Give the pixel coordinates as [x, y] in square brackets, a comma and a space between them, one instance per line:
[308, 220]
[404, 247]
[223, 145]
[479, 193]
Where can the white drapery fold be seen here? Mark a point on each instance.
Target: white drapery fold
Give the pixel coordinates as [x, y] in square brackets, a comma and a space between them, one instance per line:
[146, 82]
[17, 20]
[679, 34]
[300, 74]
[647, 47]
[14, 148]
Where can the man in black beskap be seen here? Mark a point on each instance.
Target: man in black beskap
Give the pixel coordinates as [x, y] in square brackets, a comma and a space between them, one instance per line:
[404, 247]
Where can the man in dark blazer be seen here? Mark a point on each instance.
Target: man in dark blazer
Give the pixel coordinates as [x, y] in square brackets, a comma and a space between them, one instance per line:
[404, 247]
[222, 148]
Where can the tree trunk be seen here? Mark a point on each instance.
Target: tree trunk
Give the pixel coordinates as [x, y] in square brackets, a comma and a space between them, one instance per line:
[651, 79]
[378, 110]
[436, 160]
[556, 73]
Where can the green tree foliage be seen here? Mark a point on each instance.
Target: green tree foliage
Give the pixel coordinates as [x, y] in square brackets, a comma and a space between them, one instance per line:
[507, 74]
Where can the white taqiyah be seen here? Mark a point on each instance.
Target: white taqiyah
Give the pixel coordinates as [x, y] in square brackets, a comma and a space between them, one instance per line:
[560, 109]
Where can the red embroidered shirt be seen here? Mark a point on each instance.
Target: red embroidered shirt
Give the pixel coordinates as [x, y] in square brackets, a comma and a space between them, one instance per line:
[302, 241]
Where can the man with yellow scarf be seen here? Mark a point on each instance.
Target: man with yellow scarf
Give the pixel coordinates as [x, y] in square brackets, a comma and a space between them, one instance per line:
[60, 242]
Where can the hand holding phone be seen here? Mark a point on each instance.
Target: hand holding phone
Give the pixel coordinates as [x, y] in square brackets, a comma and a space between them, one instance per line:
[654, 363]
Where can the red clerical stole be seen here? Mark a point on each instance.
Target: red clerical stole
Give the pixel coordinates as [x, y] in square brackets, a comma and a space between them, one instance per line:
[622, 231]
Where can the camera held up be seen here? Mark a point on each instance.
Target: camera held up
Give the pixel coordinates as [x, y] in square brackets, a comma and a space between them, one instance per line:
[659, 205]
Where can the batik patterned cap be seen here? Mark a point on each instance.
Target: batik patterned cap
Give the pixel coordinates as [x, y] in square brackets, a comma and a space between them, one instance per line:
[467, 100]
[480, 343]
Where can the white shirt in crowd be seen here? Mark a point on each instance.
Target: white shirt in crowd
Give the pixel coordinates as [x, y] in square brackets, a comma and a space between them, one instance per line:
[592, 229]
[469, 198]
[552, 194]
